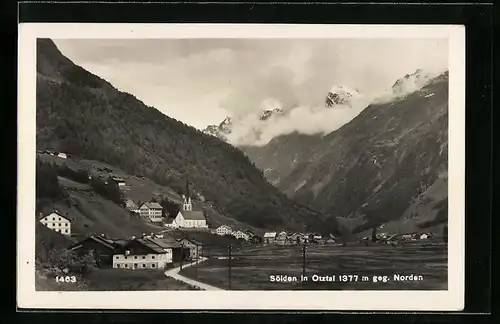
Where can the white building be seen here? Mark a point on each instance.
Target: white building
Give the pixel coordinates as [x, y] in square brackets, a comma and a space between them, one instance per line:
[57, 222]
[240, 235]
[223, 230]
[269, 237]
[119, 181]
[424, 236]
[62, 155]
[151, 210]
[145, 253]
[187, 217]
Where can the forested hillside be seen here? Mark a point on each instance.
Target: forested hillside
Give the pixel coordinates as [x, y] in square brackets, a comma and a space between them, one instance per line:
[83, 115]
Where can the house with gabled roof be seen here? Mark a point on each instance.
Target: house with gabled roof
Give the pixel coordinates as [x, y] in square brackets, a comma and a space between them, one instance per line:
[239, 234]
[100, 247]
[56, 222]
[195, 247]
[152, 211]
[145, 253]
[269, 238]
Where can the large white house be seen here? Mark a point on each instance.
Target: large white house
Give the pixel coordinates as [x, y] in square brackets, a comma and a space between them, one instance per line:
[223, 230]
[151, 210]
[187, 217]
[145, 253]
[57, 222]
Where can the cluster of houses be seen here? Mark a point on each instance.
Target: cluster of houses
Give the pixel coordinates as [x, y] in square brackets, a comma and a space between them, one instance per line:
[146, 252]
[294, 238]
[240, 234]
[390, 238]
[277, 238]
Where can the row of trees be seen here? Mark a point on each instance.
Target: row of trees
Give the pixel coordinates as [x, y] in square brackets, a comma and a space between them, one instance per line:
[47, 184]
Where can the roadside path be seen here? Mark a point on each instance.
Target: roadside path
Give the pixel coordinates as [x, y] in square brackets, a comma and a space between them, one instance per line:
[174, 273]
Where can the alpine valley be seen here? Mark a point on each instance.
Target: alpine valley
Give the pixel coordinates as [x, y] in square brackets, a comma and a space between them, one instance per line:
[86, 117]
[388, 165]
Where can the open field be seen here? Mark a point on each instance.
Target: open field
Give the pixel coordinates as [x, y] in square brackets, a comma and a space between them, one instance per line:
[251, 269]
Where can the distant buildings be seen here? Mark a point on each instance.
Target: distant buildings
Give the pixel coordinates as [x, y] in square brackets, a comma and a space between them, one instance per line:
[223, 230]
[56, 222]
[152, 211]
[269, 238]
[119, 181]
[62, 155]
[239, 234]
[130, 205]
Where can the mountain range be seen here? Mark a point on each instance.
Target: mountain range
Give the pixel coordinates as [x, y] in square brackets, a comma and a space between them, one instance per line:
[85, 116]
[378, 167]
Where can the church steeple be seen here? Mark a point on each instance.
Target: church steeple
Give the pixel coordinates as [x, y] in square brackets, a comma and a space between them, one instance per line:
[186, 205]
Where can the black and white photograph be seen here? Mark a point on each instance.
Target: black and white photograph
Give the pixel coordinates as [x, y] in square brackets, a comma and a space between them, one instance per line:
[235, 159]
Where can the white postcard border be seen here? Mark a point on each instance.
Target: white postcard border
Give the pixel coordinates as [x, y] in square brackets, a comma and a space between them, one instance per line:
[28, 297]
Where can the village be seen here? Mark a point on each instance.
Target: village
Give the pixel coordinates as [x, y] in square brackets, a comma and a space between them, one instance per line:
[175, 244]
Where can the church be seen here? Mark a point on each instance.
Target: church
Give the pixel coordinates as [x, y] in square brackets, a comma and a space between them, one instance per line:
[187, 217]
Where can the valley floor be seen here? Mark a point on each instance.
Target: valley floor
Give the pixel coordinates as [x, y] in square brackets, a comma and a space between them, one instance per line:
[252, 269]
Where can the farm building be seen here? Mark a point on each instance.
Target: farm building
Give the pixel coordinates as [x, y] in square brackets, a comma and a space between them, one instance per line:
[132, 206]
[152, 211]
[145, 253]
[56, 222]
[281, 238]
[119, 181]
[239, 234]
[62, 155]
[102, 249]
[195, 247]
[223, 230]
[269, 238]
[250, 233]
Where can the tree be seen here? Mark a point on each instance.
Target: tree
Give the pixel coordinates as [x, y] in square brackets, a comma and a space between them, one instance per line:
[170, 208]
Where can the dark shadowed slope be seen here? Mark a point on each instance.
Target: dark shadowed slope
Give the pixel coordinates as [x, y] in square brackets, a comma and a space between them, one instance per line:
[372, 169]
[378, 163]
[81, 114]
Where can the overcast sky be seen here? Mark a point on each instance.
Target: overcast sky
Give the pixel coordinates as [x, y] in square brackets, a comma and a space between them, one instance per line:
[201, 81]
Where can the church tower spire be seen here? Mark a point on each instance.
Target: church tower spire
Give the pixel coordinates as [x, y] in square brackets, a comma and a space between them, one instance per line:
[187, 197]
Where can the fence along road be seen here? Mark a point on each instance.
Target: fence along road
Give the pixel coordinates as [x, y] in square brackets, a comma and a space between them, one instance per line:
[174, 273]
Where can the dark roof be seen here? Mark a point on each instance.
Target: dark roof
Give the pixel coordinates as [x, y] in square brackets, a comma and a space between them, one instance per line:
[193, 215]
[191, 240]
[152, 205]
[151, 245]
[105, 242]
[165, 242]
[48, 212]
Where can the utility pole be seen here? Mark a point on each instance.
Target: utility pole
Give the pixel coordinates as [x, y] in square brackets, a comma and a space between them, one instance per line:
[304, 247]
[197, 256]
[229, 265]
[182, 253]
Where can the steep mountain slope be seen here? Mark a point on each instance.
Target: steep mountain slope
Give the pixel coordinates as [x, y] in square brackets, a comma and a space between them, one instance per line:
[371, 168]
[81, 114]
[282, 154]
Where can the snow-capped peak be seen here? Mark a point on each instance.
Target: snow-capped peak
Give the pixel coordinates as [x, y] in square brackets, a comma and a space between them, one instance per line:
[340, 95]
[412, 82]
